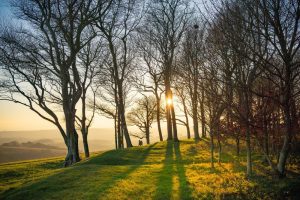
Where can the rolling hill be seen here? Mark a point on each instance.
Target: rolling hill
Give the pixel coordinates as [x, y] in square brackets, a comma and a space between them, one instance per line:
[164, 170]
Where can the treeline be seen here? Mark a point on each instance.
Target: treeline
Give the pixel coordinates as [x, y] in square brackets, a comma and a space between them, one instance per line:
[232, 66]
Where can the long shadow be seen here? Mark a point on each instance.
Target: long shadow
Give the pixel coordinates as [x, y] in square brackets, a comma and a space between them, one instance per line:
[111, 183]
[185, 190]
[83, 179]
[164, 185]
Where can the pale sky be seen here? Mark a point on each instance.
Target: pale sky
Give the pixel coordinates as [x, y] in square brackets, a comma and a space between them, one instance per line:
[17, 117]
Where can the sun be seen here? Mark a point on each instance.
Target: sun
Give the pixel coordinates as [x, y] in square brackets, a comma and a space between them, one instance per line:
[169, 101]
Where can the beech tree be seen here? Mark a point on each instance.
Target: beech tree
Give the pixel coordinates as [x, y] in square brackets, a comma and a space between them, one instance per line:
[117, 28]
[150, 78]
[189, 70]
[62, 29]
[143, 115]
[165, 23]
[90, 60]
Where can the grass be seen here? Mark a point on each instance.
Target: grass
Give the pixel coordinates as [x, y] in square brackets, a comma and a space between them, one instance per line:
[164, 170]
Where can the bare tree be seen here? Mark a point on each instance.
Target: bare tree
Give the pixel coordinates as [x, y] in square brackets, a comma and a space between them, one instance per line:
[278, 22]
[165, 23]
[190, 63]
[25, 79]
[152, 72]
[62, 29]
[117, 28]
[90, 59]
[182, 97]
[143, 115]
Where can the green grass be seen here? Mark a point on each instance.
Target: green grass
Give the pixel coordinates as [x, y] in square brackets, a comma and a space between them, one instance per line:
[164, 170]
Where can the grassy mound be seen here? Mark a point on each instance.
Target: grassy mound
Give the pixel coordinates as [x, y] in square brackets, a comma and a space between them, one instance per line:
[164, 170]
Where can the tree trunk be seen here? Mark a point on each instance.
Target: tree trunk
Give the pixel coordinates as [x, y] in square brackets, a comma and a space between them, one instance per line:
[186, 119]
[266, 135]
[211, 149]
[148, 135]
[116, 132]
[174, 124]
[85, 144]
[288, 113]
[123, 119]
[84, 128]
[246, 102]
[168, 108]
[196, 127]
[195, 118]
[120, 139]
[248, 147]
[219, 148]
[286, 144]
[73, 152]
[237, 140]
[202, 114]
[72, 136]
[158, 117]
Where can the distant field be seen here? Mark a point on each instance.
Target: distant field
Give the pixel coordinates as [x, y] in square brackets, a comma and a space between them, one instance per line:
[164, 170]
[51, 144]
[11, 154]
[100, 139]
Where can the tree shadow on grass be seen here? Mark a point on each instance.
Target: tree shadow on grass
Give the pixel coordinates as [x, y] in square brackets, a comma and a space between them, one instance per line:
[165, 180]
[89, 180]
[164, 184]
[185, 190]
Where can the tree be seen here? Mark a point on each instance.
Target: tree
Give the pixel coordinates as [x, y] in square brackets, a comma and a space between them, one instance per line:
[143, 115]
[190, 63]
[152, 71]
[61, 28]
[21, 66]
[117, 28]
[182, 98]
[278, 23]
[90, 62]
[273, 43]
[165, 23]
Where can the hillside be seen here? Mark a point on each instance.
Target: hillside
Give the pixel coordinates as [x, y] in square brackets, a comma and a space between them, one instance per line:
[15, 151]
[164, 170]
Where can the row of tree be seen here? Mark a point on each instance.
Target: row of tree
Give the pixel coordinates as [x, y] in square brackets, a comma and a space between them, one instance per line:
[232, 66]
[241, 68]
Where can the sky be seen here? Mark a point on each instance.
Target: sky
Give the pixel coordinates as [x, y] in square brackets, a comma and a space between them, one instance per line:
[15, 117]
[5, 11]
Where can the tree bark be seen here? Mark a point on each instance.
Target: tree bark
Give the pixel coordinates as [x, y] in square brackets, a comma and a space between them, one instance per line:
[237, 140]
[69, 113]
[195, 112]
[120, 138]
[116, 132]
[73, 153]
[202, 114]
[168, 107]
[211, 149]
[158, 117]
[123, 119]
[219, 147]
[266, 135]
[248, 147]
[148, 135]
[84, 128]
[288, 113]
[174, 124]
[86, 145]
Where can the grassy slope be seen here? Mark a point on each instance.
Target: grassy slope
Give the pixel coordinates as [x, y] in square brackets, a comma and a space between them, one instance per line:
[163, 170]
